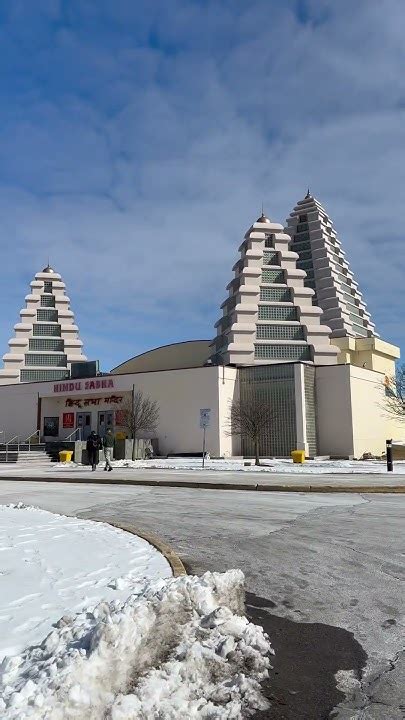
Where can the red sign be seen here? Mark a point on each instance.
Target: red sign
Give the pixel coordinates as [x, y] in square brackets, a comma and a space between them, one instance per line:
[68, 420]
[65, 387]
[120, 418]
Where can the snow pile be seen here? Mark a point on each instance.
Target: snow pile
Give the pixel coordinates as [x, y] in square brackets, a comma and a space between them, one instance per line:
[180, 650]
[52, 564]
[268, 465]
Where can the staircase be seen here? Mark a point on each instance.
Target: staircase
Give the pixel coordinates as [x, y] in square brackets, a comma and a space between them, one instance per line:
[25, 455]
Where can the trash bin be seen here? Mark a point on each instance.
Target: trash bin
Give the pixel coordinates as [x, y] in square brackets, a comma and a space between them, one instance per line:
[298, 456]
[65, 455]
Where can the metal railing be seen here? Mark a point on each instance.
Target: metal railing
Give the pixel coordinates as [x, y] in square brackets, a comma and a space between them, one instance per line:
[29, 438]
[10, 442]
[79, 430]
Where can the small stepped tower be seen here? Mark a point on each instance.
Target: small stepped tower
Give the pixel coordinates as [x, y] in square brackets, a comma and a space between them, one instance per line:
[46, 339]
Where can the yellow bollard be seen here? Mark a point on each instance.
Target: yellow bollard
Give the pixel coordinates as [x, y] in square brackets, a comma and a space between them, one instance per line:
[298, 456]
[65, 455]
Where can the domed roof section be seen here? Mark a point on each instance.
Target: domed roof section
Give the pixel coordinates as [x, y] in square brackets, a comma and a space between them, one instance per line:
[48, 269]
[263, 219]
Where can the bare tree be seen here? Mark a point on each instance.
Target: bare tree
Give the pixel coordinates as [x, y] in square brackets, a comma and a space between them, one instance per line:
[394, 400]
[139, 414]
[251, 417]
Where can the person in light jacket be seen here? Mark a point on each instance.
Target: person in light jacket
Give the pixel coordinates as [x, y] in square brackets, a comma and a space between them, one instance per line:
[108, 445]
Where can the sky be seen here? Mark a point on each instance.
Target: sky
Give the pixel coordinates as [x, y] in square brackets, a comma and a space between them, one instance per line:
[139, 140]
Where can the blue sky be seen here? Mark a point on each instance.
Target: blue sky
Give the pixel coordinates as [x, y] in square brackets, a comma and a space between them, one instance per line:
[139, 139]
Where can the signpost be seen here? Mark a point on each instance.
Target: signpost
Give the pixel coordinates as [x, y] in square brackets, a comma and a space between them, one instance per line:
[205, 414]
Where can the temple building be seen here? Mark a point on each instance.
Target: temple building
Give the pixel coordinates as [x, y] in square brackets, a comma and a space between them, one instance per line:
[294, 331]
[46, 339]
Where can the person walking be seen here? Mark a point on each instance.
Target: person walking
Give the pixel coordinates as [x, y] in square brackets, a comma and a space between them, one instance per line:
[93, 445]
[108, 445]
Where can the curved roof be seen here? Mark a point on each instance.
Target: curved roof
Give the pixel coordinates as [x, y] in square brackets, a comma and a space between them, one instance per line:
[176, 356]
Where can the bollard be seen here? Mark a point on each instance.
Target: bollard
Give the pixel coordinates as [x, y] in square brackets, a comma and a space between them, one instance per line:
[390, 464]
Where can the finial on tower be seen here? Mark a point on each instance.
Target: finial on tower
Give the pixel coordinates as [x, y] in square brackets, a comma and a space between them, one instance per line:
[308, 195]
[263, 218]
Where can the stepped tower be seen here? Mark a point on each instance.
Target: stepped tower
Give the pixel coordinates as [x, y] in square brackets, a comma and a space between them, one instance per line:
[328, 272]
[269, 316]
[46, 339]
[321, 255]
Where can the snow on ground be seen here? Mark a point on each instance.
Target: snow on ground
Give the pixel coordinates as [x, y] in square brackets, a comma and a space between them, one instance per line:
[51, 565]
[316, 467]
[180, 649]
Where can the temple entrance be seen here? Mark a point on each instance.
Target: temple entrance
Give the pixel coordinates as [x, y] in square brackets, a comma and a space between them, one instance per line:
[105, 421]
[84, 422]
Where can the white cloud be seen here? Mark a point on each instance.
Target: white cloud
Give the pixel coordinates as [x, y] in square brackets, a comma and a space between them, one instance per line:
[141, 144]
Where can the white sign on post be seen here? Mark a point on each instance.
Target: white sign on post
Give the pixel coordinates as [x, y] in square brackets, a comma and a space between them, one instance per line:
[205, 417]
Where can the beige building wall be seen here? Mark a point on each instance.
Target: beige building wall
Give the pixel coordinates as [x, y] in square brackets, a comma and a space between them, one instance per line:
[334, 420]
[372, 426]
[18, 410]
[351, 412]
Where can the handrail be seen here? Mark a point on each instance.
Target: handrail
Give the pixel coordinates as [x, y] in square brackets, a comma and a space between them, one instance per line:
[74, 433]
[9, 443]
[28, 439]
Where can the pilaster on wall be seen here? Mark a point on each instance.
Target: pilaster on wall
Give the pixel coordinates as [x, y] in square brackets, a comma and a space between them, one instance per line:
[300, 408]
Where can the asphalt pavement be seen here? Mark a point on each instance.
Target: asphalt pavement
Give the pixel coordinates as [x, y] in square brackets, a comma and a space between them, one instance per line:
[324, 574]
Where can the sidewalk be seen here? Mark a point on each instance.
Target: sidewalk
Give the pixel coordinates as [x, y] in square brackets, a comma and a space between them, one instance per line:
[215, 479]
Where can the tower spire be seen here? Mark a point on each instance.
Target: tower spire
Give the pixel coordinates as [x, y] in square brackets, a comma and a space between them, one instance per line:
[308, 195]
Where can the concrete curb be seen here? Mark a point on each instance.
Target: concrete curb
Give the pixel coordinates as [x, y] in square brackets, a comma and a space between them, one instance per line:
[172, 558]
[397, 489]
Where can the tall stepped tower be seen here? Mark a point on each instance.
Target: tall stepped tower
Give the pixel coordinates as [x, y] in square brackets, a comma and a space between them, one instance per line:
[269, 316]
[46, 339]
[328, 273]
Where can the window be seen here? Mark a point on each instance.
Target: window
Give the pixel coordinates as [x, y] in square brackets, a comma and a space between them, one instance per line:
[303, 236]
[47, 315]
[279, 332]
[272, 312]
[48, 286]
[43, 375]
[270, 258]
[300, 246]
[359, 330]
[51, 426]
[275, 294]
[268, 240]
[304, 264]
[275, 383]
[304, 254]
[45, 330]
[35, 359]
[47, 301]
[55, 344]
[302, 227]
[282, 352]
[302, 218]
[272, 276]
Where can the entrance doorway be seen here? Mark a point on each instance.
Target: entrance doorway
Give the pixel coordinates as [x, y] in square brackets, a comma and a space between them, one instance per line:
[84, 422]
[105, 421]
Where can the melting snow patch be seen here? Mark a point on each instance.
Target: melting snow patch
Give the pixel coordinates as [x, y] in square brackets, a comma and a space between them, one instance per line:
[182, 649]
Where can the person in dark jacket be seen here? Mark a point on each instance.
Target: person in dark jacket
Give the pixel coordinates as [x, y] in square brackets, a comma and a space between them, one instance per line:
[93, 445]
[108, 445]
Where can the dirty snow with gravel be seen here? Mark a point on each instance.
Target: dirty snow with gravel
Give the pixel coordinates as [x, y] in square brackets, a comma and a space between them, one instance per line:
[92, 625]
